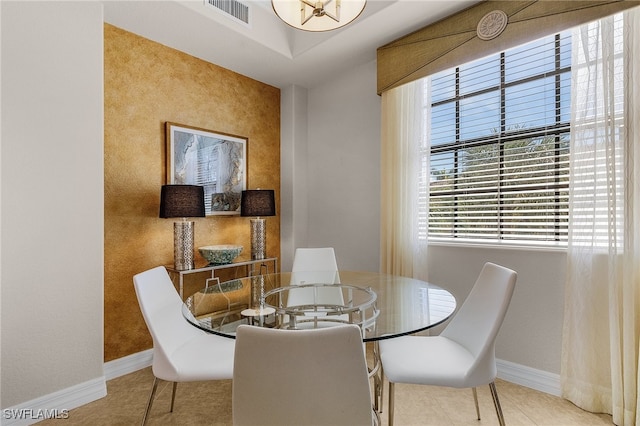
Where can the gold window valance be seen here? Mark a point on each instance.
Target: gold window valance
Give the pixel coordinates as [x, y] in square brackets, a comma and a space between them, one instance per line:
[454, 40]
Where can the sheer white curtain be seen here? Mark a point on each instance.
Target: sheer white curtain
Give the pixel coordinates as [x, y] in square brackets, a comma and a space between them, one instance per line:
[602, 298]
[403, 186]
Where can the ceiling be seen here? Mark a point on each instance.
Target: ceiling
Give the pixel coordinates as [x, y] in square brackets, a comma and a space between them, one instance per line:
[267, 49]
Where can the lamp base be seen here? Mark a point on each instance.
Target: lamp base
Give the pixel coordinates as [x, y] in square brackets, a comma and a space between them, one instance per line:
[258, 238]
[183, 245]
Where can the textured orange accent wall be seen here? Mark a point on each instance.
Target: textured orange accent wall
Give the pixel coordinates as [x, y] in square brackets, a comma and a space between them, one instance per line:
[147, 84]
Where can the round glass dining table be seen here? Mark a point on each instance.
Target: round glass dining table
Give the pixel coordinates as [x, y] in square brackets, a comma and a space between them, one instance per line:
[385, 306]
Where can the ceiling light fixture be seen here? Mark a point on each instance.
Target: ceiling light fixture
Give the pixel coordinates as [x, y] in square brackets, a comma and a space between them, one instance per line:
[318, 15]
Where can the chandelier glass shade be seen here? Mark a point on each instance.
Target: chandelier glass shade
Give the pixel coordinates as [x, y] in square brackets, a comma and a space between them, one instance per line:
[310, 15]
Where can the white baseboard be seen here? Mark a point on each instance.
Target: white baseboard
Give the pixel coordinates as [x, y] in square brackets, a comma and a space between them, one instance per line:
[40, 408]
[515, 373]
[56, 404]
[529, 377]
[128, 364]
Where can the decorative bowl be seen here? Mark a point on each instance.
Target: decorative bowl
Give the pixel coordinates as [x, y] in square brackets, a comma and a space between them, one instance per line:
[220, 254]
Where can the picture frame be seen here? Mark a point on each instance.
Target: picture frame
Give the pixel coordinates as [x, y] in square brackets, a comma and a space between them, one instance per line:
[214, 160]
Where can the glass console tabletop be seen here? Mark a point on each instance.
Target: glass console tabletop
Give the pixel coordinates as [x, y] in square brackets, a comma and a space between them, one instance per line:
[385, 306]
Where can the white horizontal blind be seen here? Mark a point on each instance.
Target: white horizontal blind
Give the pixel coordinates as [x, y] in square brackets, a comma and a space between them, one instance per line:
[499, 154]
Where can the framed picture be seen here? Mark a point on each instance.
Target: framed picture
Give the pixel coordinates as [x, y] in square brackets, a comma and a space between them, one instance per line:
[216, 161]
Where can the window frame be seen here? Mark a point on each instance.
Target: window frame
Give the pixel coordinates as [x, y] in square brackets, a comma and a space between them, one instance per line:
[558, 129]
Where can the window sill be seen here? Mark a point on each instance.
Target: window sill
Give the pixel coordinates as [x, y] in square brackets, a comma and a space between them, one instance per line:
[557, 248]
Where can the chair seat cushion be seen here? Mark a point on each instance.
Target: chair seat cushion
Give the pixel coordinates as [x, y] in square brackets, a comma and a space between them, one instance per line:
[426, 360]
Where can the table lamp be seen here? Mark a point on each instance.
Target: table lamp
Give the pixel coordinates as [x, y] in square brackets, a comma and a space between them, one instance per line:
[256, 203]
[182, 201]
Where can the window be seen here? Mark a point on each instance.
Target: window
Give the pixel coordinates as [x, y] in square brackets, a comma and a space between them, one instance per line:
[499, 150]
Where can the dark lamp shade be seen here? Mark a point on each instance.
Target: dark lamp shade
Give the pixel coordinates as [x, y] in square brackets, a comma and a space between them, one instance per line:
[258, 202]
[181, 201]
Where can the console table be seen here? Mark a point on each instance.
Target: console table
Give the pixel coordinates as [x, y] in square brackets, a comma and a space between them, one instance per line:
[250, 269]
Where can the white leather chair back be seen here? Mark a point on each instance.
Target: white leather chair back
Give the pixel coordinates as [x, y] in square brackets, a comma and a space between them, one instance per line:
[315, 261]
[476, 324]
[161, 308]
[315, 266]
[298, 377]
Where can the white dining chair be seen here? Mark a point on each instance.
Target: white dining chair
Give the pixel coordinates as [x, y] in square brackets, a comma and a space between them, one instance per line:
[181, 352]
[319, 265]
[315, 266]
[463, 355]
[301, 377]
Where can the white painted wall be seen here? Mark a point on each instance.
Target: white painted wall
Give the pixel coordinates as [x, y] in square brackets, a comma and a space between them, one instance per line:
[343, 211]
[51, 199]
[531, 334]
[293, 173]
[344, 168]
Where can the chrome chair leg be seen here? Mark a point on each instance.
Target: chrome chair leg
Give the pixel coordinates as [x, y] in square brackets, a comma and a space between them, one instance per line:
[173, 395]
[475, 399]
[391, 389]
[151, 396]
[496, 402]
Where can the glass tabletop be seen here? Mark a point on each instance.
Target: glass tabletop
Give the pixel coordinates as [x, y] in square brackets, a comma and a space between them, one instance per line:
[383, 305]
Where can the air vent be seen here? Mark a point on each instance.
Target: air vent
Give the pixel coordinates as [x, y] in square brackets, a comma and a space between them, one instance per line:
[231, 8]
